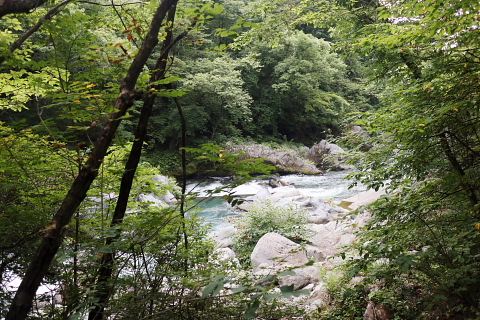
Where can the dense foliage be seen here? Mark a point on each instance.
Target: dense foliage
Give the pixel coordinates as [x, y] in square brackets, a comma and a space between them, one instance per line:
[422, 243]
[265, 217]
[80, 98]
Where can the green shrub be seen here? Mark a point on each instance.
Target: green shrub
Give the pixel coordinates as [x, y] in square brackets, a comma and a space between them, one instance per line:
[264, 217]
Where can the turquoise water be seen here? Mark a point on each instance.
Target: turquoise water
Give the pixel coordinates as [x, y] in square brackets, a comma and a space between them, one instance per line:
[217, 212]
[329, 186]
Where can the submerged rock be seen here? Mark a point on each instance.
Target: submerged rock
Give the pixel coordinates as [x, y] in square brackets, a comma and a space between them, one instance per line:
[276, 183]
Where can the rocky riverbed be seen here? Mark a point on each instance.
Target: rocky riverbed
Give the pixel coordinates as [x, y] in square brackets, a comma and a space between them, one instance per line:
[332, 227]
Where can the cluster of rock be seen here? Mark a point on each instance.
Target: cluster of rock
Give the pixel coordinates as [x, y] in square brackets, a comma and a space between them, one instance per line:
[322, 156]
[359, 137]
[164, 197]
[331, 226]
[328, 156]
[331, 229]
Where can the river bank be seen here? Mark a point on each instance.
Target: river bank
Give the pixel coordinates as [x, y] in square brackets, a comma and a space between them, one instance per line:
[328, 202]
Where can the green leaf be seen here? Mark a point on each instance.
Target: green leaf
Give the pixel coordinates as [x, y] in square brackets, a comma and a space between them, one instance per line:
[299, 293]
[251, 312]
[213, 286]
[228, 33]
[171, 93]
[213, 11]
[209, 289]
[105, 249]
[287, 289]
[270, 297]
[267, 278]
[287, 273]
[239, 289]
[111, 232]
[166, 80]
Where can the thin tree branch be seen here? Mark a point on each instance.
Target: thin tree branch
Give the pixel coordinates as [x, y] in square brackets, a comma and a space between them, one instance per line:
[15, 45]
[457, 167]
[19, 6]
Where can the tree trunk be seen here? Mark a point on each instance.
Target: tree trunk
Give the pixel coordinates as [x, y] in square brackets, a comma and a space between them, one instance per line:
[53, 236]
[107, 263]
[19, 6]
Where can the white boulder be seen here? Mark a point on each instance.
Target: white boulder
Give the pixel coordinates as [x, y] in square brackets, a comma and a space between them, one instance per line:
[274, 249]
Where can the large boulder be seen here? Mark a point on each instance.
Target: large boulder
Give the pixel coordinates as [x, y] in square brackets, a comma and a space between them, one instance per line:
[364, 198]
[227, 258]
[226, 254]
[303, 277]
[152, 199]
[165, 195]
[357, 136]
[281, 196]
[275, 253]
[319, 298]
[224, 237]
[286, 193]
[330, 237]
[321, 212]
[327, 155]
[274, 249]
[288, 160]
[314, 253]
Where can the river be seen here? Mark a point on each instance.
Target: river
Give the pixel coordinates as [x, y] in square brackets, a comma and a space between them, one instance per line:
[216, 211]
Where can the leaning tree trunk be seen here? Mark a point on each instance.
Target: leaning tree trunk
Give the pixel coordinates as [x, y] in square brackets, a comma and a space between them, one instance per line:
[105, 272]
[53, 236]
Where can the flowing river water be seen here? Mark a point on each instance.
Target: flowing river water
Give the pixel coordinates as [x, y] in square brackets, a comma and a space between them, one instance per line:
[331, 186]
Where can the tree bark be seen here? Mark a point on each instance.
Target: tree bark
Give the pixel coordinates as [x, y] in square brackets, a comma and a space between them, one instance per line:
[53, 236]
[19, 6]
